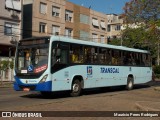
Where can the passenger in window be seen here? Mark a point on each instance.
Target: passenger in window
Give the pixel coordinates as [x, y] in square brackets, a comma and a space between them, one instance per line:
[131, 60]
[27, 57]
[88, 55]
[75, 57]
[114, 59]
[102, 57]
[95, 58]
[108, 57]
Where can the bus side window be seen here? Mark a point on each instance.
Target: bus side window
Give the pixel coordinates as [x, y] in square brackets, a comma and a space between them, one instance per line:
[63, 57]
[131, 60]
[114, 57]
[147, 61]
[76, 53]
[125, 59]
[143, 60]
[94, 52]
[102, 55]
[137, 59]
[108, 57]
[87, 54]
[120, 58]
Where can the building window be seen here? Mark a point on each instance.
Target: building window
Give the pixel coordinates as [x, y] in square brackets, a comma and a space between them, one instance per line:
[42, 27]
[84, 19]
[84, 35]
[103, 26]
[43, 8]
[69, 16]
[68, 32]
[95, 23]
[102, 39]
[13, 5]
[55, 30]
[55, 11]
[11, 29]
[108, 28]
[95, 37]
[117, 27]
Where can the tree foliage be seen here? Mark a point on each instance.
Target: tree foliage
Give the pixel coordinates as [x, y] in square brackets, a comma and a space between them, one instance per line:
[131, 37]
[146, 14]
[5, 64]
[142, 11]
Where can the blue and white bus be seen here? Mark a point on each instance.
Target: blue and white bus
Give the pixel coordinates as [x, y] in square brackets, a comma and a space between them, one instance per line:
[55, 63]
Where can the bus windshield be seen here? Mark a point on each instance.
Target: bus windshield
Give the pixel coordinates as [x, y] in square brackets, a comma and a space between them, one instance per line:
[32, 59]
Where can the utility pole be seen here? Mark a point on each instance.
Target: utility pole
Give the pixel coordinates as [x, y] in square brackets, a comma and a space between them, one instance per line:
[158, 55]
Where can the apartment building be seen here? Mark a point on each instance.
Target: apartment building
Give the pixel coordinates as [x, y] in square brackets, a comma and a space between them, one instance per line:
[98, 27]
[60, 17]
[10, 24]
[10, 31]
[114, 26]
[10, 34]
[79, 22]
[43, 17]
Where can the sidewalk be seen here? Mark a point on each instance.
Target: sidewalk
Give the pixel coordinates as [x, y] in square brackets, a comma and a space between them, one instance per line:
[6, 84]
[150, 105]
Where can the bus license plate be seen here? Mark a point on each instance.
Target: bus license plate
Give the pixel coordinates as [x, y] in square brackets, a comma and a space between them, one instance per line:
[26, 89]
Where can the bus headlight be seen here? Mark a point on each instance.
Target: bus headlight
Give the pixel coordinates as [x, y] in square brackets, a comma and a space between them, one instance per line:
[43, 79]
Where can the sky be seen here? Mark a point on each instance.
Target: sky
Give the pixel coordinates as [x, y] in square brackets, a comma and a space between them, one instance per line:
[104, 6]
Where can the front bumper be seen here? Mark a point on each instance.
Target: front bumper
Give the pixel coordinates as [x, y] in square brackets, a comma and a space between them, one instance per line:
[45, 86]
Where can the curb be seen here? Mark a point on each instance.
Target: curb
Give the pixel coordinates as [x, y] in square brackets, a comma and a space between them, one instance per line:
[6, 85]
[157, 88]
[145, 108]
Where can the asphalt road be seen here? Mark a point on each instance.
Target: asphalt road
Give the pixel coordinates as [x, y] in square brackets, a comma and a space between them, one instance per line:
[114, 99]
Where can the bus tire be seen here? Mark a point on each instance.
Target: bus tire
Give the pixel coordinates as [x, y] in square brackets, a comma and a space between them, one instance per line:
[76, 88]
[130, 83]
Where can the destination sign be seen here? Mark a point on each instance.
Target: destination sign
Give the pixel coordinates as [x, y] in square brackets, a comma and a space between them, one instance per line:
[33, 42]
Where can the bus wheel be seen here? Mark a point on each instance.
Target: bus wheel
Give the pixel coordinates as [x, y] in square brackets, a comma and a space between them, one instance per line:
[130, 83]
[76, 88]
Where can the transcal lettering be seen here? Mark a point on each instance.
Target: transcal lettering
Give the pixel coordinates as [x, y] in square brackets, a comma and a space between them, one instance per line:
[109, 70]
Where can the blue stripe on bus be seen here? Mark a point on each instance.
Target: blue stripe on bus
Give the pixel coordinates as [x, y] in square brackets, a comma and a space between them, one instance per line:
[45, 86]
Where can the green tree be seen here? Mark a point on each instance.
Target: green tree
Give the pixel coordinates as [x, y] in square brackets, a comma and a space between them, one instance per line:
[131, 37]
[142, 11]
[4, 64]
[147, 14]
[3, 67]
